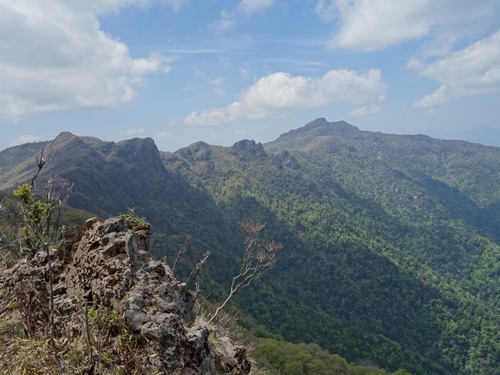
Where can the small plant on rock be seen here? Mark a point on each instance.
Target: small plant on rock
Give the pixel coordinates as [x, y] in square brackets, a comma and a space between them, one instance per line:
[132, 220]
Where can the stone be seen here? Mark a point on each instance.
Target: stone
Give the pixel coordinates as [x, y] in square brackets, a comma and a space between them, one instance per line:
[107, 267]
[90, 222]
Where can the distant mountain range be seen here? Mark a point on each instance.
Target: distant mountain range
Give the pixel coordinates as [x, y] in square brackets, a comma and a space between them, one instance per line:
[392, 242]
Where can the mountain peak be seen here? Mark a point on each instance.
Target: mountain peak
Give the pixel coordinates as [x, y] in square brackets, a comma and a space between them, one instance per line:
[64, 137]
[248, 149]
[302, 137]
[332, 128]
[196, 151]
[318, 122]
[141, 152]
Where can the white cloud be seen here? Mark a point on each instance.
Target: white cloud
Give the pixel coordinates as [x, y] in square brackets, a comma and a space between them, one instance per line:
[440, 45]
[472, 71]
[365, 110]
[218, 86]
[54, 57]
[162, 135]
[327, 10]
[25, 138]
[280, 92]
[373, 24]
[244, 72]
[228, 19]
[135, 131]
[437, 97]
[104, 6]
[253, 6]
[369, 25]
[175, 4]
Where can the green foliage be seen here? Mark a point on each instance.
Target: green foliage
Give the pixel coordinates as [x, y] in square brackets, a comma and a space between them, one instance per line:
[132, 220]
[104, 319]
[392, 247]
[37, 227]
[385, 242]
[23, 192]
[301, 359]
[112, 348]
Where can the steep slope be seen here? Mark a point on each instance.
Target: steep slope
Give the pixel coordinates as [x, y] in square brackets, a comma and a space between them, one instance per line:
[100, 168]
[16, 161]
[424, 187]
[392, 248]
[109, 178]
[471, 169]
[390, 255]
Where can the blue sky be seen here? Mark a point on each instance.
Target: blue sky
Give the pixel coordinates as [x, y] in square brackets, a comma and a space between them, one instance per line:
[182, 71]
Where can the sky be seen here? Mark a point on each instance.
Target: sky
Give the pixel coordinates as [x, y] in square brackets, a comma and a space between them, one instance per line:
[218, 71]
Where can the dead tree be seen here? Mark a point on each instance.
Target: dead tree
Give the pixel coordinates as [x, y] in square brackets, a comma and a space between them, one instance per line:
[182, 250]
[259, 258]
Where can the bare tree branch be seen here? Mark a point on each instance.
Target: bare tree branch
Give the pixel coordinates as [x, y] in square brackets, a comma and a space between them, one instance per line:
[182, 250]
[40, 162]
[197, 268]
[258, 259]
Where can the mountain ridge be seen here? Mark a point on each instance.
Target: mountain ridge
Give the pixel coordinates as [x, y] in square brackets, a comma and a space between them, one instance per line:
[388, 238]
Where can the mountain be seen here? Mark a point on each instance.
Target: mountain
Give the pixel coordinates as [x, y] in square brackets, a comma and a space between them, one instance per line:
[392, 246]
[109, 177]
[485, 135]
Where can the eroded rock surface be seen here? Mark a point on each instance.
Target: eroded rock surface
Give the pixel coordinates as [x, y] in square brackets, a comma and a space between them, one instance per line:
[106, 267]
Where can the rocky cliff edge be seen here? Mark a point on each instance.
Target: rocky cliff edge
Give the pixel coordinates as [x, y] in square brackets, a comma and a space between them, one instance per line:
[114, 308]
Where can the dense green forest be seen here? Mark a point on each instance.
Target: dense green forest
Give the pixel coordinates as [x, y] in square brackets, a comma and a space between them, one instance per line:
[392, 243]
[280, 357]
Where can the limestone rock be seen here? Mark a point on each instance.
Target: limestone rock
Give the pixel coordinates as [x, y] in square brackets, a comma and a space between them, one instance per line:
[229, 358]
[106, 266]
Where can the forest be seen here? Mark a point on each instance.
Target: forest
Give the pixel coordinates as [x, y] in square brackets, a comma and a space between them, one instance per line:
[391, 251]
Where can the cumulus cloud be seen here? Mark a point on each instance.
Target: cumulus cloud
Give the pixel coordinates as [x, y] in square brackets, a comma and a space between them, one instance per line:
[365, 110]
[471, 71]
[369, 25]
[437, 97]
[279, 92]
[373, 24]
[54, 57]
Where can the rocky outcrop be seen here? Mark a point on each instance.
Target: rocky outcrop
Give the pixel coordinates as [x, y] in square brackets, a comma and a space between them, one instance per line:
[247, 150]
[105, 268]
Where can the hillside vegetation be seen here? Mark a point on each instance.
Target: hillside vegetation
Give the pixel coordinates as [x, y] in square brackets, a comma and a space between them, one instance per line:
[392, 243]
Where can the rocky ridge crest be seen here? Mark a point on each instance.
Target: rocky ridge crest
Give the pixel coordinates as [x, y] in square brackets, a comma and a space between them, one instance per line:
[104, 281]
